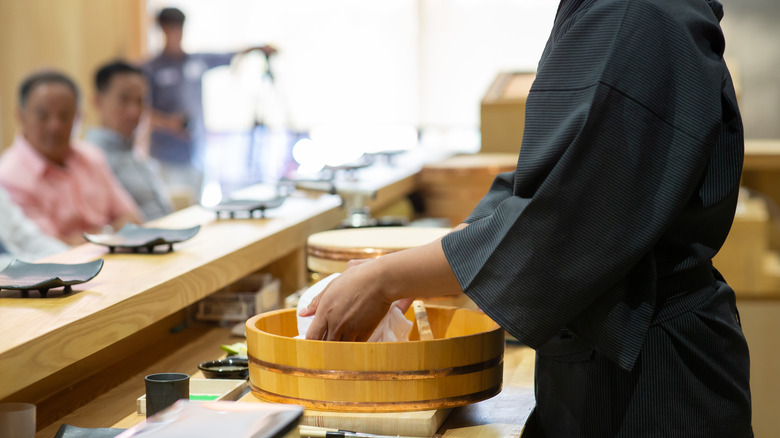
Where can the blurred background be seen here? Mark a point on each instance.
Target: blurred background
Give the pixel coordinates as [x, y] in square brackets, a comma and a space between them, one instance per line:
[420, 65]
[403, 65]
[394, 74]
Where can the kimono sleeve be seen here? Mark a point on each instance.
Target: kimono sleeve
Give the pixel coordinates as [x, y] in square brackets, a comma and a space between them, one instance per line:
[499, 190]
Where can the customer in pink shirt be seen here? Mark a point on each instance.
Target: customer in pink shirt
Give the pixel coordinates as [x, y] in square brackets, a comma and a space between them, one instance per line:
[65, 186]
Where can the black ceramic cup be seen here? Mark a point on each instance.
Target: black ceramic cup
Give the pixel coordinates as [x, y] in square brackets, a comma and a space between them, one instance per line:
[164, 389]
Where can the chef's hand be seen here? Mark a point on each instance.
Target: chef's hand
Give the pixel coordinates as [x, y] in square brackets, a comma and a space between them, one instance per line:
[404, 303]
[354, 303]
[351, 307]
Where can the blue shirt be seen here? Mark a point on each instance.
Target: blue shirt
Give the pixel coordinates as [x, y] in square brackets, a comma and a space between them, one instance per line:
[136, 176]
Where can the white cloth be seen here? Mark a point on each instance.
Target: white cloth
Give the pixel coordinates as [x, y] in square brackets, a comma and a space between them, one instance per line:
[21, 237]
[393, 327]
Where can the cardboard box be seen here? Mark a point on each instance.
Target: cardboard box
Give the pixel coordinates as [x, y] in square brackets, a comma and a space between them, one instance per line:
[502, 115]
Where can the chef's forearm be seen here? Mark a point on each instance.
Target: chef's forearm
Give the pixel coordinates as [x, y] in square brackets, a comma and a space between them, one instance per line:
[416, 273]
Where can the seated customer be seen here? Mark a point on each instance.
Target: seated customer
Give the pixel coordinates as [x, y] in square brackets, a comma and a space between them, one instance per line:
[120, 94]
[20, 237]
[65, 186]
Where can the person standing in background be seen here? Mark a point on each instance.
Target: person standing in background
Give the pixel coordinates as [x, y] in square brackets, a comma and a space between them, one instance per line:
[121, 91]
[64, 185]
[177, 128]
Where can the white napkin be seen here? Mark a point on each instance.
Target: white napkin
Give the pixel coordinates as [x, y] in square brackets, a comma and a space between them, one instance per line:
[393, 327]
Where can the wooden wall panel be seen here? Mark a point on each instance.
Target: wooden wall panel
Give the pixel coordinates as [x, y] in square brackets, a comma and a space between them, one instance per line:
[74, 36]
[761, 323]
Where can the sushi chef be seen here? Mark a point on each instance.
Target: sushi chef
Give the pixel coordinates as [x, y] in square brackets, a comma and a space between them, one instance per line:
[596, 251]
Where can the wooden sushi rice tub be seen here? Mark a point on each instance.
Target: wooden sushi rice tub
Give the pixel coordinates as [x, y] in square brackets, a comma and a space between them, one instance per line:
[461, 365]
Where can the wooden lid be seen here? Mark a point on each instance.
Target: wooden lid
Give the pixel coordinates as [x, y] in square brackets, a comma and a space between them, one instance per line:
[361, 243]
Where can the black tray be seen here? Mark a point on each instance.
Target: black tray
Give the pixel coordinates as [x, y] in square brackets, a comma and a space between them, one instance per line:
[233, 206]
[133, 237]
[25, 276]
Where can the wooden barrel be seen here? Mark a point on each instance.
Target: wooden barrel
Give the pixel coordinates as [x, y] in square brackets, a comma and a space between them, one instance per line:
[453, 187]
[329, 251]
[463, 364]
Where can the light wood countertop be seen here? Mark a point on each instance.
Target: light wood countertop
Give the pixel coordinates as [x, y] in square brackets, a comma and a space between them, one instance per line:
[181, 353]
[62, 352]
[133, 291]
[505, 414]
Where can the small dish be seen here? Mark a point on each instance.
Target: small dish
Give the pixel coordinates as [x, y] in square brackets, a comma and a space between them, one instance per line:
[234, 206]
[230, 368]
[133, 237]
[19, 275]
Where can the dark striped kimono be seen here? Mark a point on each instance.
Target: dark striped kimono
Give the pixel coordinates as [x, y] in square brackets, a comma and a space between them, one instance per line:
[596, 251]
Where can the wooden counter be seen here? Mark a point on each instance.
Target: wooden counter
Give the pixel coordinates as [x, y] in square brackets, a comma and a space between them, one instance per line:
[762, 155]
[378, 186]
[504, 414]
[181, 352]
[56, 352]
[47, 343]
[761, 168]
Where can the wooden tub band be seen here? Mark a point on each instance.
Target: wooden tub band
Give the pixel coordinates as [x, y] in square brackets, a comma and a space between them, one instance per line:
[347, 254]
[400, 405]
[377, 375]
